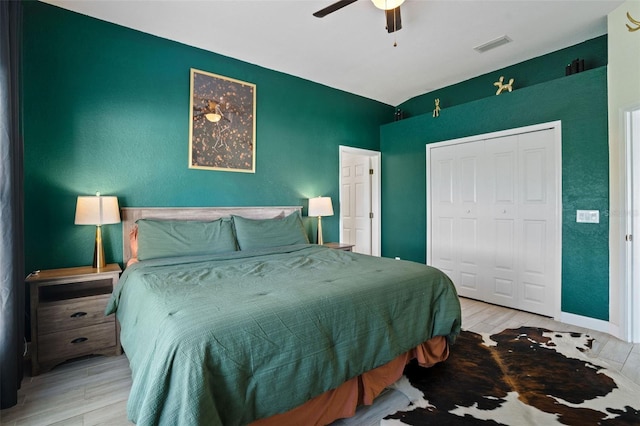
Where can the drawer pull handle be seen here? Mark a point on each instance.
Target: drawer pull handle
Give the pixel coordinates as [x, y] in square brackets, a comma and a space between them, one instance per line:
[79, 340]
[78, 314]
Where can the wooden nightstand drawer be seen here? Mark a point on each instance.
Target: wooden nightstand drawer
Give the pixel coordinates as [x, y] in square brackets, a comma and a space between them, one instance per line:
[67, 315]
[77, 342]
[74, 313]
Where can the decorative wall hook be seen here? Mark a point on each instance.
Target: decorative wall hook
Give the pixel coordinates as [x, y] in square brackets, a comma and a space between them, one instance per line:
[436, 111]
[502, 87]
[634, 22]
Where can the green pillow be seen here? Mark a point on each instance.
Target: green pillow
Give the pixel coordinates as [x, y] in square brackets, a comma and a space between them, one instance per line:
[263, 233]
[169, 238]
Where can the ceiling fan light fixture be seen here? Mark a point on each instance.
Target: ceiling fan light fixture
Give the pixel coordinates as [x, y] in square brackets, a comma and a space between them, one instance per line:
[387, 4]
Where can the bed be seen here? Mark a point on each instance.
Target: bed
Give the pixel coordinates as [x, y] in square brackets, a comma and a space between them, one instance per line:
[229, 316]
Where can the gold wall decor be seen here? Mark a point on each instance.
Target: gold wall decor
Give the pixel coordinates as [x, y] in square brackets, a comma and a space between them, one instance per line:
[502, 87]
[436, 111]
[634, 22]
[222, 123]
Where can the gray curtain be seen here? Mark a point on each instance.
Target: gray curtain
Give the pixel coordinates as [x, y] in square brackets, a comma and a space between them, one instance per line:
[11, 206]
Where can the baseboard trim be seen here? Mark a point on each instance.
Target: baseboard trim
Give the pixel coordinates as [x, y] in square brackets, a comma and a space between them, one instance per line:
[587, 322]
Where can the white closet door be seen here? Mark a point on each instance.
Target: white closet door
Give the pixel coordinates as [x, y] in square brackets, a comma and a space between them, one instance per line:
[456, 250]
[443, 199]
[493, 217]
[501, 221]
[468, 229]
[538, 215]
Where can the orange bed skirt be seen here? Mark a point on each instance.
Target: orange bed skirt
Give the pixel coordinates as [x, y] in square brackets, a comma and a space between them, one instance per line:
[342, 402]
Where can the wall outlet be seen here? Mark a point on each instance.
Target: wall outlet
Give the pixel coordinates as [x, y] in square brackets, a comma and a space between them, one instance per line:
[588, 216]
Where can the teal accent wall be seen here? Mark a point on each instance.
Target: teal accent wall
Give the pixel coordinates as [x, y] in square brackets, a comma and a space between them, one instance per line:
[106, 108]
[528, 73]
[580, 102]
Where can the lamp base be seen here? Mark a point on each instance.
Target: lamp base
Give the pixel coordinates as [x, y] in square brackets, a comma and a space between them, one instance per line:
[98, 251]
[319, 234]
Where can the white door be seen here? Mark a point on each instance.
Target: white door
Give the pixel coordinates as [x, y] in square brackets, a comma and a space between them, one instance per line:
[523, 212]
[501, 232]
[493, 218]
[355, 202]
[444, 214]
[631, 290]
[454, 197]
[538, 220]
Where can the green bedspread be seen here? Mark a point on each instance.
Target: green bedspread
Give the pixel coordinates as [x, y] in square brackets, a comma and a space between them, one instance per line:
[227, 339]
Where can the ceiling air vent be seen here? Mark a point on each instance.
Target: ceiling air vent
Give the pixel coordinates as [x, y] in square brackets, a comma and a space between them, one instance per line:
[492, 44]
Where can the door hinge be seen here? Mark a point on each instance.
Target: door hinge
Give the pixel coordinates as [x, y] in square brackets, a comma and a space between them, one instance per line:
[370, 171]
[628, 237]
[371, 215]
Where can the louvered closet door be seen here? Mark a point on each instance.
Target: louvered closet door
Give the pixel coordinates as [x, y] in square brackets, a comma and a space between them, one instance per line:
[494, 212]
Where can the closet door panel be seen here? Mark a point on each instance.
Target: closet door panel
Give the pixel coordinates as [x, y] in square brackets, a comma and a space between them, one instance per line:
[444, 252]
[538, 218]
[534, 177]
[500, 220]
[469, 175]
[470, 164]
[533, 247]
[502, 278]
[467, 253]
[443, 211]
[534, 267]
[454, 195]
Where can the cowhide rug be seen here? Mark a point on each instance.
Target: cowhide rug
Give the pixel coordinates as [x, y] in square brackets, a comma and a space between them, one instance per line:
[525, 376]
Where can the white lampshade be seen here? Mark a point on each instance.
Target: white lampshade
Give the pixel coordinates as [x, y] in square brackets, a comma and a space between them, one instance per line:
[320, 206]
[97, 210]
[387, 4]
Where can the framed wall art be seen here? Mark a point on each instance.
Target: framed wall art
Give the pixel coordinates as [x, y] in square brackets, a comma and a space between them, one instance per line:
[222, 126]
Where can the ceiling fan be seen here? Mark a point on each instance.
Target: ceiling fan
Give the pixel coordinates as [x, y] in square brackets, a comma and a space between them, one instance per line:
[390, 7]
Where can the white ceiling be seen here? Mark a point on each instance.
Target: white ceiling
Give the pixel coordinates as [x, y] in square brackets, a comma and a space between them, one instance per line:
[351, 50]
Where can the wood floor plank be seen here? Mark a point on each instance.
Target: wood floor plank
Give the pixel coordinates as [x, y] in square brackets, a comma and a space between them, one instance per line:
[74, 421]
[68, 410]
[111, 415]
[43, 401]
[117, 382]
[631, 367]
[387, 403]
[616, 351]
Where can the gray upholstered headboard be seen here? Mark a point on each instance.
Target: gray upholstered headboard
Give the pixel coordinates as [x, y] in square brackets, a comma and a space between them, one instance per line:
[131, 214]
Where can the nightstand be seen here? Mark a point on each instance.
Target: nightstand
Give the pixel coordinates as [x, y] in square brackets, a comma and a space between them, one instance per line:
[67, 315]
[339, 246]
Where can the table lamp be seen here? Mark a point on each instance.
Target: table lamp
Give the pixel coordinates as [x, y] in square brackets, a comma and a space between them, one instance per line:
[320, 206]
[97, 210]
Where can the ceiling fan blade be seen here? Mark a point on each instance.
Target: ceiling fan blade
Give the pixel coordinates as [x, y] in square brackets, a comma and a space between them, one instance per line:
[333, 7]
[394, 21]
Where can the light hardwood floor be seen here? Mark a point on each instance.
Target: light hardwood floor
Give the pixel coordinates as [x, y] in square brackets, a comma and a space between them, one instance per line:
[94, 391]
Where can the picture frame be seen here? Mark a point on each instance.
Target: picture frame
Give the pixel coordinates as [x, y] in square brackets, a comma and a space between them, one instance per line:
[222, 123]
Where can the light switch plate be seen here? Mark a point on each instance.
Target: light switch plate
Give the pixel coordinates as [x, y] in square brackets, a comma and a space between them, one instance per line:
[588, 216]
